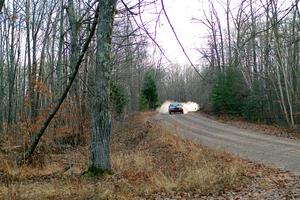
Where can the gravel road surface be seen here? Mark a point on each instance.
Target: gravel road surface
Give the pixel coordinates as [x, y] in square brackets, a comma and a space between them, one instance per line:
[273, 151]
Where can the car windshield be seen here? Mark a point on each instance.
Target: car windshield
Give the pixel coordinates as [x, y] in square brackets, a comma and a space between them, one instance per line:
[176, 105]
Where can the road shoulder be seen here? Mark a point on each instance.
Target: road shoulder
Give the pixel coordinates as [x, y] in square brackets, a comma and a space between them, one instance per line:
[255, 127]
[265, 182]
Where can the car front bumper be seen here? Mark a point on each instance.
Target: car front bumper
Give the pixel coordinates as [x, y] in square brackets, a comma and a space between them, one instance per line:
[175, 110]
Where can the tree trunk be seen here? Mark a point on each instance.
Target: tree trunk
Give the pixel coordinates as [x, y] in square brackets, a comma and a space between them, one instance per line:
[228, 31]
[253, 38]
[11, 73]
[1, 78]
[1, 5]
[101, 116]
[74, 52]
[59, 66]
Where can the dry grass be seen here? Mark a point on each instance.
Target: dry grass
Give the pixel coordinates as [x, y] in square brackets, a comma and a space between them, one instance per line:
[146, 159]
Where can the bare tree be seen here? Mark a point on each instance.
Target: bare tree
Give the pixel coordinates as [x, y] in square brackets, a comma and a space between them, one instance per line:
[28, 155]
[1, 77]
[12, 68]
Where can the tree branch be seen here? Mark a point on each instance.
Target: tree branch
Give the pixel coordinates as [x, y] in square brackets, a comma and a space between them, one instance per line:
[143, 27]
[28, 155]
[179, 42]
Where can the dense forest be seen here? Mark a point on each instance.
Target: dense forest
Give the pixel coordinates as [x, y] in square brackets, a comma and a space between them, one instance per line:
[55, 72]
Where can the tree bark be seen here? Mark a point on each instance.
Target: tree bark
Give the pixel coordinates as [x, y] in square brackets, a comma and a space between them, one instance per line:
[1, 78]
[101, 116]
[74, 52]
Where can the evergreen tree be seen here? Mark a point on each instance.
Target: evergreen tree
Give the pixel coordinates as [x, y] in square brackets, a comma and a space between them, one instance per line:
[229, 93]
[148, 96]
[118, 97]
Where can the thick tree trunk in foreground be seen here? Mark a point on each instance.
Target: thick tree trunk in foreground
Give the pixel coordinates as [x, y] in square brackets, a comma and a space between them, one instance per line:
[101, 116]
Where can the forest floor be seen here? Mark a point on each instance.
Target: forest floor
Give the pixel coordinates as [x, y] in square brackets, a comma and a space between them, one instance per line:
[149, 162]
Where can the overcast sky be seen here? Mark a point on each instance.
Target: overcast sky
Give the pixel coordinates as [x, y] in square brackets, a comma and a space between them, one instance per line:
[193, 35]
[189, 33]
[180, 12]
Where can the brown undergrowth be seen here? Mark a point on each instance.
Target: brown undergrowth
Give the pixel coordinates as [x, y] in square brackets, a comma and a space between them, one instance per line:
[147, 159]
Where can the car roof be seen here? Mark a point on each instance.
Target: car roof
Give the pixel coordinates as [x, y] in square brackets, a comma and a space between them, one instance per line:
[175, 104]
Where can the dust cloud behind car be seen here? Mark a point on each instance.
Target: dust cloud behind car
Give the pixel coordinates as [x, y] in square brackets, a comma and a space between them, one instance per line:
[187, 107]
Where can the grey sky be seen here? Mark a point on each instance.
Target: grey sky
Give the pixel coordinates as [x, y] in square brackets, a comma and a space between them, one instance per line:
[192, 35]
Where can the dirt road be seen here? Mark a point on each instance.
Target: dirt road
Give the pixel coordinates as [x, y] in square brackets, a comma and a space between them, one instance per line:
[270, 150]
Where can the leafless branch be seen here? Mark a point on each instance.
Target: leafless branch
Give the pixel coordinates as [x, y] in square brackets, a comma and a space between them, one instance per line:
[179, 42]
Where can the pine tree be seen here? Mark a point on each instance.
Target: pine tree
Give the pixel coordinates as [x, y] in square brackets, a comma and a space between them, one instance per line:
[229, 93]
[149, 96]
[118, 97]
